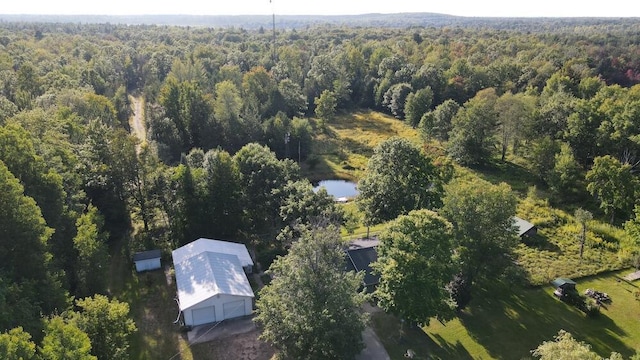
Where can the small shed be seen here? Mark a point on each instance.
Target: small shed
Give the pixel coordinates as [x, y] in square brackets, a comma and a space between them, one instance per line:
[524, 227]
[147, 260]
[564, 284]
[564, 287]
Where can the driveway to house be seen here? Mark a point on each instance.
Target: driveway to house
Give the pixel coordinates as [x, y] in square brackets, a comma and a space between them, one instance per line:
[373, 349]
[136, 121]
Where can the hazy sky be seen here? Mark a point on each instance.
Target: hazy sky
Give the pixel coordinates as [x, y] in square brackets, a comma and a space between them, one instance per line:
[609, 8]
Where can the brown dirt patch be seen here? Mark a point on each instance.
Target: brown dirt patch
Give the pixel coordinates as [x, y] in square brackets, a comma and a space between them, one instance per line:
[245, 346]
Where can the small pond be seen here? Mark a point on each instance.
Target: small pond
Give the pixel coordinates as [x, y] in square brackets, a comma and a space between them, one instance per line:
[338, 188]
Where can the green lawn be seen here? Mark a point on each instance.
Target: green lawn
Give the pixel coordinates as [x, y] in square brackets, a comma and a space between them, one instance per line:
[506, 323]
[154, 310]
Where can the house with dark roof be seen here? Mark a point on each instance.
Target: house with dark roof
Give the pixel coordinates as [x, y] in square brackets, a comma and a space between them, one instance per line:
[360, 255]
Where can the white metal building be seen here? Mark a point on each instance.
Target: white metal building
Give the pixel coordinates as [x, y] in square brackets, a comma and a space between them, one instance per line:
[211, 281]
[147, 260]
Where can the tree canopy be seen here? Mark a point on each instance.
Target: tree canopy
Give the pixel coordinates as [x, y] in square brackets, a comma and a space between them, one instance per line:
[483, 227]
[399, 178]
[415, 263]
[311, 308]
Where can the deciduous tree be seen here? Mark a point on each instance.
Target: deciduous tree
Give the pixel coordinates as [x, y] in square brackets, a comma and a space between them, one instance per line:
[437, 123]
[90, 243]
[107, 324]
[613, 185]
[415, 263]
[417, 105]
[16, 344]
[399, 178]
[583, 216]
[482, 217]
[471, 138]
[326, 105]
[63, 340]
[566, 347]
[311, 309]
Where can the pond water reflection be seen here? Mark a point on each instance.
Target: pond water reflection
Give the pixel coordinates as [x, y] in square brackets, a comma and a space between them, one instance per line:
[338, 188]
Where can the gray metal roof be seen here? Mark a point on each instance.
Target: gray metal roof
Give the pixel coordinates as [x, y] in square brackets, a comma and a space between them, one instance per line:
[146, 255]
[522, 225]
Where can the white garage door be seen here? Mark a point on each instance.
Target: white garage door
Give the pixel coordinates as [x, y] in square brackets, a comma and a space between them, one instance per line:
[204, 315]
[233, 309]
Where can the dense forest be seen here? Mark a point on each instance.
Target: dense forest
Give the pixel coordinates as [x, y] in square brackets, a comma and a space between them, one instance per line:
[232, 115]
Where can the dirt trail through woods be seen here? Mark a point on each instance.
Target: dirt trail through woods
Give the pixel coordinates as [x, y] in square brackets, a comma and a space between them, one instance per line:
[136, 121]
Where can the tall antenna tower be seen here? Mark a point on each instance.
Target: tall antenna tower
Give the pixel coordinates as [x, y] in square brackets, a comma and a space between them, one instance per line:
[273, 22]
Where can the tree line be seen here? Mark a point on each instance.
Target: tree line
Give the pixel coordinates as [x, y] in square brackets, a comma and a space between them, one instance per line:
[229, 126]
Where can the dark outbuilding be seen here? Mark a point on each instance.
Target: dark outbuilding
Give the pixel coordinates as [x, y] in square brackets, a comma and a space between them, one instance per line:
[525, 228]
[563, 287]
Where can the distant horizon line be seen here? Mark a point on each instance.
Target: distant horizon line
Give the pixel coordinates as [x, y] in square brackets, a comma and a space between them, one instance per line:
[333, 15]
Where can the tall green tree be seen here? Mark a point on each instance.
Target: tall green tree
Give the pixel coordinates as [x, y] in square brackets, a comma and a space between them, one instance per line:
[16, 344]
[107, 324]
[227, 106]
[471, 140]
[293, 101]
[27, 279]
[262, 179]
[90, 243]
[326, 105]
[437, 123]
[259, 89]
[223, 194]
[513, 112]
[63, 340]
[311, 309]
[417, 104]
[566, 176]
[415, 263]
[613, 185]
[395, 99]
[399, 178]
[485, 235]
[302, 205]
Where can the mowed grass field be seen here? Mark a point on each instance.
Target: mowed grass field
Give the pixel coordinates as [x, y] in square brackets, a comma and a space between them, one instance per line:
[506, 322]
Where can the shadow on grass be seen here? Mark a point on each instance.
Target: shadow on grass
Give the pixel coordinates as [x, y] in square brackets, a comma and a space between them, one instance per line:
[365, 121]
[154, 310]
[540, 242]
[518, 177]
[508, 322]
[397, 338]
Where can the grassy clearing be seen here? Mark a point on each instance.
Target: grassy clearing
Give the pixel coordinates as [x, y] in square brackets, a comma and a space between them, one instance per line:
[506, 323]
[343, 150]
[154, 310]
[555, 251]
